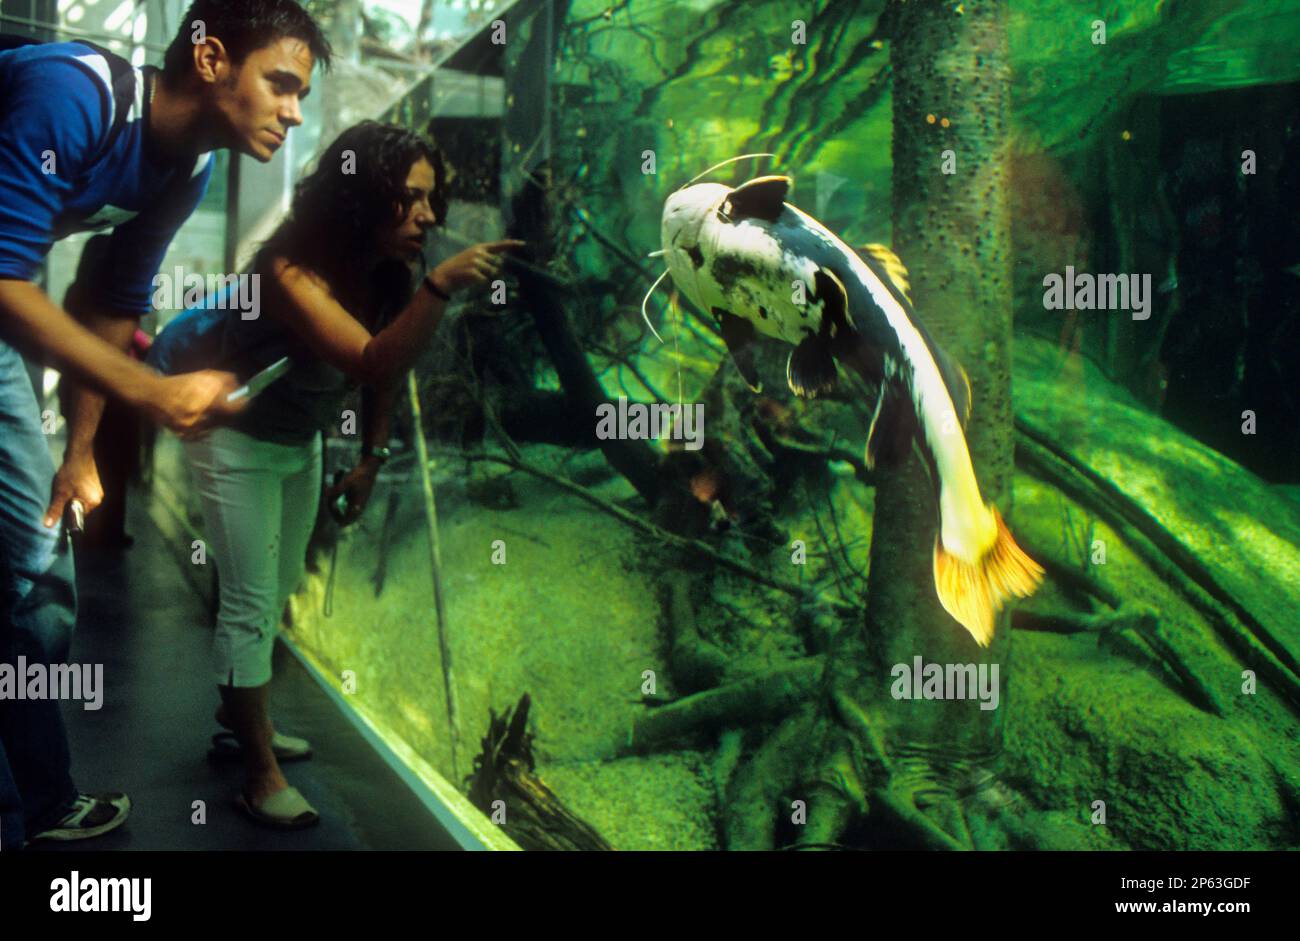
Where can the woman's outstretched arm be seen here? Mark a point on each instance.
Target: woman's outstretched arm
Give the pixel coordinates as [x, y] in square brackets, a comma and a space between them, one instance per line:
[337, 337]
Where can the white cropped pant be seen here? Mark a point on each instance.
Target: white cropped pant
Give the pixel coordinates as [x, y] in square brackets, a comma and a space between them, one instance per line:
[259, 505]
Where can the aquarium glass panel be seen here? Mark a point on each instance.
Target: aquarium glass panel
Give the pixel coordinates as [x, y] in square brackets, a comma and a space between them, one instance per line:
[887, 437]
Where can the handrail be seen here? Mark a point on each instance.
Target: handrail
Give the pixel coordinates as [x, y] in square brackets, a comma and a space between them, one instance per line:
[77, 33]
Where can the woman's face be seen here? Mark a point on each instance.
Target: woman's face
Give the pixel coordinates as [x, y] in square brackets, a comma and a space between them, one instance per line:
[405, 240]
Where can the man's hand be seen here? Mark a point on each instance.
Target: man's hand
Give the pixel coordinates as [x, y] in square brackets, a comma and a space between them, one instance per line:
[191, 403]
[78, 478]
[357, 484]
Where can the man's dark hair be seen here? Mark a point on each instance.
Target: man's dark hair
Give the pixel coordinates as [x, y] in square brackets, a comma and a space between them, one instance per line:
[244, 26]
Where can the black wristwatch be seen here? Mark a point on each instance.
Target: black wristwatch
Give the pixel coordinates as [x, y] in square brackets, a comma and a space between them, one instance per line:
[379, 454]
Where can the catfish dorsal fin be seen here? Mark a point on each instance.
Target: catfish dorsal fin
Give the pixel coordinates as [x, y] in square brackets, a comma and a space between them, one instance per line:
[761, 198]
[882, 260]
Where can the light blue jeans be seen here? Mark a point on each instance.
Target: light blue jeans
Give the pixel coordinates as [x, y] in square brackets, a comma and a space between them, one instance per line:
[259, 506]
[38, 609]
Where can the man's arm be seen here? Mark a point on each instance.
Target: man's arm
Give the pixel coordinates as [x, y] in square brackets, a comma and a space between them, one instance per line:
[184, 403]
[114, 287]
[37, 323]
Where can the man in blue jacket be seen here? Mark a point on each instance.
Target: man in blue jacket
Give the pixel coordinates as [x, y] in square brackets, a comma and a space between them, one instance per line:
[89, 142]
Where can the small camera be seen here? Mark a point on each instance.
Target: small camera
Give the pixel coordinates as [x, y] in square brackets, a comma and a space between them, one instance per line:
[339, 507]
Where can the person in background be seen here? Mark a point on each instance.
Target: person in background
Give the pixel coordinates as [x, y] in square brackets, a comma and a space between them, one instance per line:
[72, 161]
[117, 444]
[344, 297]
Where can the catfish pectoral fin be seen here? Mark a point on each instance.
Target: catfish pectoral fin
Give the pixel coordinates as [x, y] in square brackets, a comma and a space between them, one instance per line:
[739, 334]
[810, 370]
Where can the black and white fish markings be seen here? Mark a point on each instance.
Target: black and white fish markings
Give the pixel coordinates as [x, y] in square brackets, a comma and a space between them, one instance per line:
[764, 268]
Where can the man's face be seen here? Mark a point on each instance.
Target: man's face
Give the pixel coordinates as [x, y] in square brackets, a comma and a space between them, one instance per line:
[258, 99]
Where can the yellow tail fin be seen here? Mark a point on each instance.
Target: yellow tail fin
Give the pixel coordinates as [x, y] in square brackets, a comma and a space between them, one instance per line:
[973, 592]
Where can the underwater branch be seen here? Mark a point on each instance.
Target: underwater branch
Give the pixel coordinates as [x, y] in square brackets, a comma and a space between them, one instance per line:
[650, 529]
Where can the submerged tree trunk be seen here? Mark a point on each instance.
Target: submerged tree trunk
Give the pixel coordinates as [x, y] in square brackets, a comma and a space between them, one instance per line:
[952, 231]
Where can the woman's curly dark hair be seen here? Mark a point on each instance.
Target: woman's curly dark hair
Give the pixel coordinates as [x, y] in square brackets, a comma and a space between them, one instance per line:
[357, 187]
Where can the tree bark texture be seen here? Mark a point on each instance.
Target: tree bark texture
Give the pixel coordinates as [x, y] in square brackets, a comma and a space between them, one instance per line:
[952, 231]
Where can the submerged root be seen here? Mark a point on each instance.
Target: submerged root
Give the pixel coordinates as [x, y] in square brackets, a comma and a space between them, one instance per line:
[753, 805]
[696, 663]
[1135, 631]
[1253, 641]
[836, 797]
[1076, 622]
[865, 796]
[899, 805]
[766, 697]
[505, 775]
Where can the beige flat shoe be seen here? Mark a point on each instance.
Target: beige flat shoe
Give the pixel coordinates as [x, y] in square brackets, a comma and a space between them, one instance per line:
[283, 810]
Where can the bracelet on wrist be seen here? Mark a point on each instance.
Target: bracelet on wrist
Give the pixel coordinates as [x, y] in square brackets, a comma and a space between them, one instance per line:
[432, 286]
